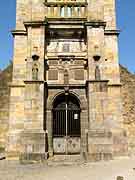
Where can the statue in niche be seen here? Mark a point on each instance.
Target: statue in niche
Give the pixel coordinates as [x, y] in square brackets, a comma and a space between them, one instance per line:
[35, 72]
[66, 77]
[97, 73]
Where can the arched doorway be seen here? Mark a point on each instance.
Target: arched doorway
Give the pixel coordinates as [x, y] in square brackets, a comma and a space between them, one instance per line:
[66, 125]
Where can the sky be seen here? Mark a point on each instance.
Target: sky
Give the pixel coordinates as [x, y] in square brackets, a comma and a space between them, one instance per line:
[125, 22]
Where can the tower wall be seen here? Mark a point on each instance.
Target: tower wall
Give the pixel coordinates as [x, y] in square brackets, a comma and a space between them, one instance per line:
[66, 49]
[24, 95]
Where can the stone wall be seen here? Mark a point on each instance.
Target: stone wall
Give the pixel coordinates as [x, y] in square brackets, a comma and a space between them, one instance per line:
[36, 39]
[128, 99]
[5, 78]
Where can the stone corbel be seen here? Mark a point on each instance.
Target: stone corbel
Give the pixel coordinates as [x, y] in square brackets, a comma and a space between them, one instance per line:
[35, 57]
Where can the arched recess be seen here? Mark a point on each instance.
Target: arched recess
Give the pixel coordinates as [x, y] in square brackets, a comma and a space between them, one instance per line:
[69, 144]
[66, 116]
[81, 100]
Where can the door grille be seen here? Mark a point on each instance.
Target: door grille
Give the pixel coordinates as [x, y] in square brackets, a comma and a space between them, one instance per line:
[66, 119]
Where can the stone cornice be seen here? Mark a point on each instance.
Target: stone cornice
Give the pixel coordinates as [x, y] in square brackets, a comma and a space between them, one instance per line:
[112, 32]
[66, 57]
[97, 81]
[61, 86]
[95, 24]
[105, 81]
[115, 85]
[33, 82]
[19, 32]
[16, 85]
[71, 3]
[66, 21]
[35, 23]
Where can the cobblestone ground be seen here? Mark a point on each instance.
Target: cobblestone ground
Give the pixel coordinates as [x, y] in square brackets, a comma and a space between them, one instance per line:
[12, 170]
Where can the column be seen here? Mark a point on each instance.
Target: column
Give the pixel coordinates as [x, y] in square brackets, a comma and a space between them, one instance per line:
[73, 11]
[49, 132]
[96, 10]
[65, 11]
[58, 10]
[52, 10]
[81, 11]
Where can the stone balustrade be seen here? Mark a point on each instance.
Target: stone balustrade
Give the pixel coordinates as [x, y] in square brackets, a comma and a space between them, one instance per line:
[66, 11]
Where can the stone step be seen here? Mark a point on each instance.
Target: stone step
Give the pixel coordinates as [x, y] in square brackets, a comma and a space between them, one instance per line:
[64, 160]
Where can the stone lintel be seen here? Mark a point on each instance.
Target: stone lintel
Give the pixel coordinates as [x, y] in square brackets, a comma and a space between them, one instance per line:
[62, 86]
[96, 24]
[66, 21]
[19, 32]
[66, 57]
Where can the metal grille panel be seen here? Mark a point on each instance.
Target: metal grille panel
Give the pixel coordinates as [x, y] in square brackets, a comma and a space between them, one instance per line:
[66, 125]
[66, 118]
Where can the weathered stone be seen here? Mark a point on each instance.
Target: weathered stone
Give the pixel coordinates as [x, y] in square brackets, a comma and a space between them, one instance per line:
[55, 60]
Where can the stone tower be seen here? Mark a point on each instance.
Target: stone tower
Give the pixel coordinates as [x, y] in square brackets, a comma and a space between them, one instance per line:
[65, 91]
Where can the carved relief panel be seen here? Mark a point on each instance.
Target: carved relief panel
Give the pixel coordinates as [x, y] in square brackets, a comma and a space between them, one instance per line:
[66, 46]
[69, 71]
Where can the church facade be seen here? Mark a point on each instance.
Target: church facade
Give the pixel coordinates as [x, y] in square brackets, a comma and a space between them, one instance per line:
[65, 92]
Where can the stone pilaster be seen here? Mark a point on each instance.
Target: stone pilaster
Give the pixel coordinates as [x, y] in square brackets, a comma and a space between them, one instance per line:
[95, 10]
[110, 14]
[95, 42]
[100, 140]
[84, 134]
[49, 132]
